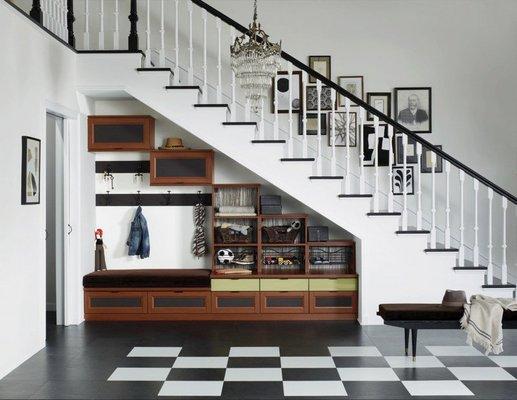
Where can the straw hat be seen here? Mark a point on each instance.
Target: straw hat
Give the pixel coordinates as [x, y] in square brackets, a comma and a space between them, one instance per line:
[454, 298]
[173, 143]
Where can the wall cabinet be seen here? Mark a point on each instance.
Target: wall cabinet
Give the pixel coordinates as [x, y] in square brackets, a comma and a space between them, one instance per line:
[120, 133]
[182, 167]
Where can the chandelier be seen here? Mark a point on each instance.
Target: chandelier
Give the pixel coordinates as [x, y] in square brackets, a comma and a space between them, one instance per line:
[255, 61]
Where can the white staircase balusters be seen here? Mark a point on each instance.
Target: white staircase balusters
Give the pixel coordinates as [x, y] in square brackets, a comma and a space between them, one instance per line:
[276, 121]
[447, 241]
[116, 33]
[376, 164]
[44, 12]
[86, 36]
[176, 79]
[319, 160]
[475, 249]
[233, 105]
[347, 144]
[333, 166]
[433, 200]
[461, 252]
[390, 170]
[419, 187]
[305, 145]
[290, 144]
[490, 266]
[204, 95]
[101, 26]
[148, 36]
[190, 71]
[161, 54]
[404, 182]
[219, 64]
[504, 266]
[359, 139]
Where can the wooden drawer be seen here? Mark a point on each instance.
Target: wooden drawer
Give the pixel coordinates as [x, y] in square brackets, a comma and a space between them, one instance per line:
[182, 167]
[284, 302]
[235, 302]
[115, 302]
[283, 284]
[235, 285]
[120, 133]
[333, 284]
[179, 302]
[333, 302]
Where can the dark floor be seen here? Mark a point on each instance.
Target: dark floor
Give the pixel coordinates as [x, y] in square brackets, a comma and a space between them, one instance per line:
[276, 360]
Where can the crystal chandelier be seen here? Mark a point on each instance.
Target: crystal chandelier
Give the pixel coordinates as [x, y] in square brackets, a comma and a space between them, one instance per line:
[255, 61]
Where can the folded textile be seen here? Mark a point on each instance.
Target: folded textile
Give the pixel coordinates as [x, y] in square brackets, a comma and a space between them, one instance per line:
[242, 229]
[237, 209]
[483, 321]
[235, 214]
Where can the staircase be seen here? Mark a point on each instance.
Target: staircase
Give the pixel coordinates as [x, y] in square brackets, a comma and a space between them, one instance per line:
[396, 262]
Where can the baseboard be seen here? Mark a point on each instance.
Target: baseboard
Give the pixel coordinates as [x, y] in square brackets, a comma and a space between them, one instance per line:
[5, 370]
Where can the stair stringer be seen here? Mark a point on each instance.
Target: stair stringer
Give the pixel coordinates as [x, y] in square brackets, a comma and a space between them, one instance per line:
[390, 270]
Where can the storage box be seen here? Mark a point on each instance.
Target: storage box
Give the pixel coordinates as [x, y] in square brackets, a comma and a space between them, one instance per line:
[318, 233]
[270, 204]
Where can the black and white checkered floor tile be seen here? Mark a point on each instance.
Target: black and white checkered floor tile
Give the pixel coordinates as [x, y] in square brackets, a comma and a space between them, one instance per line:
[268, 372]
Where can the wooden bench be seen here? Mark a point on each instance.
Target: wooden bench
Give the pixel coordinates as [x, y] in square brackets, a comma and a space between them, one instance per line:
[413, 317]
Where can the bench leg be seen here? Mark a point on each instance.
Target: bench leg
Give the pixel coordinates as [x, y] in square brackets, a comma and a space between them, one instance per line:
[414, 333]
[406, 341]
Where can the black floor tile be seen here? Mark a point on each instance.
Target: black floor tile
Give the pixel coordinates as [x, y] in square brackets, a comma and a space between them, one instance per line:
[376, 390]
[360, 362]
[310, 374]
[511, 371]
[492, 390]
[252, 362]
[467, 361]
[314, 350]
[197, 374]
[205, 351]
[152, 362]
[19, 389]
[253, 390]
[424, 374]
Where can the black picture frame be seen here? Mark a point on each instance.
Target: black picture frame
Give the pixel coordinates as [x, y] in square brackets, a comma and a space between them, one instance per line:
[31, 171]
[311, 98]
[328, 70]
[404, 116]
[340, 79]
[386, 95]
[410, 159]
[398, 179]
[384, 160]
[297, 110]
[313, 116]
[341, 133]
[424, 168]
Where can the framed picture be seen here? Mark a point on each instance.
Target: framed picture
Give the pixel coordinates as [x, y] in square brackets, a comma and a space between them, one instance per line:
[380, 101]
[411, 156]
[31, 170]
[352, 84]
[369, 146]
[320, 64]
[413, 108]
[281, 92]
[398, 181]
[341, 123]
[312, 124]
[312, 98]
[426, 165]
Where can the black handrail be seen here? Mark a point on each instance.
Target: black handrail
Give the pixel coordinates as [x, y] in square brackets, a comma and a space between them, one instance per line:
[366, 106]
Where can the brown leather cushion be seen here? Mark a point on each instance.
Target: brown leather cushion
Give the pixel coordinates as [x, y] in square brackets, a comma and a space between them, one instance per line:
[145, 278]
[427, 312]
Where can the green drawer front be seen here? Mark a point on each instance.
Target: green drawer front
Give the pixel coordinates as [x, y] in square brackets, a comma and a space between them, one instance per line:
[278, 285]
[341, 284]
[235, 285]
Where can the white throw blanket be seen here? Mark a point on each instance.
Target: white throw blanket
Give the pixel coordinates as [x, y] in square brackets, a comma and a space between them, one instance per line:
[483, 321]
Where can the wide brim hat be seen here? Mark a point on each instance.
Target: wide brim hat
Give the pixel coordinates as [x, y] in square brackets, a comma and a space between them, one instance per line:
[173, 143]
[454, 298]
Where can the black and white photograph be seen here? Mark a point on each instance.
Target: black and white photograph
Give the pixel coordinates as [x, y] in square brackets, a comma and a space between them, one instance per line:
[369, 146]
[413, 108]
[281, 92]
[312, 124]
[320, 64]
[381, 101]
[340, 139]
[398, 181]
[31, 170]
[411, 155]
[426, 165]
[353, 85]
[312, 98]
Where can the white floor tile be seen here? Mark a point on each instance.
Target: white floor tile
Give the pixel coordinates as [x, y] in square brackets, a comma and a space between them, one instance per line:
[354, 351]
[407, 362]
[254, 352]
[139, 374]
[505, 361]
[154, 352]
[437, 388]
[253, 375]
[314, 388]
[367, 374]
[453, 351]
[307, 362]
[191, 388]
[481, 374]
[200, 362]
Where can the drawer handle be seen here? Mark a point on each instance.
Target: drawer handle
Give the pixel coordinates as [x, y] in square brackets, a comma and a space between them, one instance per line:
[178, 291]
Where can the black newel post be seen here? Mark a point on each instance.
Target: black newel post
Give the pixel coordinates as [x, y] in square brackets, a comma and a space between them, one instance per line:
[35, 12]
[70, 22]
[133, 32]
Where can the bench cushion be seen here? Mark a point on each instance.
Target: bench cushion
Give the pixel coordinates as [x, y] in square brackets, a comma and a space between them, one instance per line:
[147, 278]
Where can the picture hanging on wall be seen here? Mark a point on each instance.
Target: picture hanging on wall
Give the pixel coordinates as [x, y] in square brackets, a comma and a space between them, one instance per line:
[312, 98]
[398, 181]
[369, 146]
[340, 130]
[411, 156]
[312, 124]
[413, 108]
[320, 64]
[426, 165]
[281, 92]
[31, 170]
[381, 101]
[352, 84]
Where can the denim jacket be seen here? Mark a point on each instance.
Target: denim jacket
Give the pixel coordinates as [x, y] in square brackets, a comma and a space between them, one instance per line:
[138, 240]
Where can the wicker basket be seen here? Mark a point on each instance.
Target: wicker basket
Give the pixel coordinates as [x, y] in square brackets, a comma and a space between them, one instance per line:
[229, 236]
[279, 234]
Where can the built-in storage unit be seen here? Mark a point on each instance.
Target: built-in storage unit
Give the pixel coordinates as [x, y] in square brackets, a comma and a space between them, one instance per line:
[181, 167]
[120, 133]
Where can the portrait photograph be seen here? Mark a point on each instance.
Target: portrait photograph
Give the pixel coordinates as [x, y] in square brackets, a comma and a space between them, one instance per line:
[312, 98]
[312, 124]
[353, 85]
[381, 101]
[413, 108]
[281, 92]
[320, 64]
[340, 129]
[31, 170]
